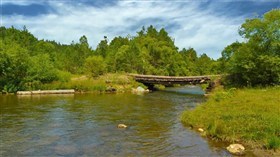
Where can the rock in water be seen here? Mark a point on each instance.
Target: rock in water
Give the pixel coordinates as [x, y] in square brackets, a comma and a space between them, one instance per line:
[236, 149]
[140, 89]
[122, 126]
[200, 130]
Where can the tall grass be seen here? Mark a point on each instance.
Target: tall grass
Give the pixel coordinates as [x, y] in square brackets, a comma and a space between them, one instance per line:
[251, 116]
[121, 82]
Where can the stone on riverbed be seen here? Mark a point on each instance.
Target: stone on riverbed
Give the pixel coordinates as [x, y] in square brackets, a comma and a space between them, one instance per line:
[236, 149]
[200, 130]
[64, 150]
[122, 126]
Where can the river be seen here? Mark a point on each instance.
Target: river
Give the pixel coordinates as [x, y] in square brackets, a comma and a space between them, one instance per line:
[86, 125]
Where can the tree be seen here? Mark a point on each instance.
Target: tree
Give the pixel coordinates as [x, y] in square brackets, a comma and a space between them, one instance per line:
[95, 66]
[14, 62]
[190, 58]
[226, 55]
[204, 65]
[112, 50]
[256, 62]
[102, 47]
[41, 69]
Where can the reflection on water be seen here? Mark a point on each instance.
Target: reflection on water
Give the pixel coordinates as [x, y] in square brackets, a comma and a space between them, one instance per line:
[188, 89]
[86, 125]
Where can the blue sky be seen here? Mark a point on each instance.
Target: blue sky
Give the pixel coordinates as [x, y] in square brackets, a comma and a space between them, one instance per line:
[206, 25]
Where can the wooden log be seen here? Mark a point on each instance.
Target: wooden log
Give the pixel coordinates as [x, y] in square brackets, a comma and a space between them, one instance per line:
[24, 93]
[67, 91]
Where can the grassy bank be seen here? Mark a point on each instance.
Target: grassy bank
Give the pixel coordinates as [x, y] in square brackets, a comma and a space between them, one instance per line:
[119, 82]
[248, 116]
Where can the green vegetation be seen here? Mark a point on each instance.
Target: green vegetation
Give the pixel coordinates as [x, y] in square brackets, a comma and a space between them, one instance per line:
[256, 61]
[119, 82]
[26, 62]
[249, 116]
[95, 66]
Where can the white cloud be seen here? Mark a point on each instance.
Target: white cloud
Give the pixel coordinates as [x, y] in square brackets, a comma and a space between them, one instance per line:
[195, 28]
[22, 2]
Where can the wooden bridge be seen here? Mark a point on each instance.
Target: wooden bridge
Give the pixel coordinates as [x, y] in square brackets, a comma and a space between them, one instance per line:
[170, 80]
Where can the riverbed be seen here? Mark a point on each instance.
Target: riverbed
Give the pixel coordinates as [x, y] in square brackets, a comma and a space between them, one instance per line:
[86, 125]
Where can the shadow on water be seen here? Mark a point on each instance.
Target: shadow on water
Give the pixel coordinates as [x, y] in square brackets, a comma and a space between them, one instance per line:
[188, 89]
[86, 125]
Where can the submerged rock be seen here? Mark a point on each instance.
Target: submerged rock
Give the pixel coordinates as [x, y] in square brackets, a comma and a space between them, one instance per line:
[122, 126]
[65, 150]
[236, 149]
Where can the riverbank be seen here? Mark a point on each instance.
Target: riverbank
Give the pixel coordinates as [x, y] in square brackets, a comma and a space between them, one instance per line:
[247, 116]
[117, 83]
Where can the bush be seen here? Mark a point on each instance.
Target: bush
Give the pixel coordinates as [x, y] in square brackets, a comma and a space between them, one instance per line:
[273, 143]
[64, 76]
[95, 66]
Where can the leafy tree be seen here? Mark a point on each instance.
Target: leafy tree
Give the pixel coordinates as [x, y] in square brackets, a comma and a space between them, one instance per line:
[190, 58]
[95, 66]
[256, 62]
[102, 47]
[226, 55]
[111, 52]
[204, 65]
[41, 69]
[14, 62]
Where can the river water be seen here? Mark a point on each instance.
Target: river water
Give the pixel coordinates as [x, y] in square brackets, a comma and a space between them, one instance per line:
[86, 125]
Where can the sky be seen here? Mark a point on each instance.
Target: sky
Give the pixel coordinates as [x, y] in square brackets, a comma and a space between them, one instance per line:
[205, 25]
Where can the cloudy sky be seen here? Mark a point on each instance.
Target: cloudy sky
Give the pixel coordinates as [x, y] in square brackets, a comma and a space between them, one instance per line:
[206, 25]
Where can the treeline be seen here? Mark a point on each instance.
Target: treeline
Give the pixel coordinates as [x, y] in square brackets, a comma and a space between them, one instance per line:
[255, 62]
[26, 62]
[152, 52]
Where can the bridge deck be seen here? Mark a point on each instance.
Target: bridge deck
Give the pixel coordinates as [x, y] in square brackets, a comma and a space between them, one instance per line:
[169, 80]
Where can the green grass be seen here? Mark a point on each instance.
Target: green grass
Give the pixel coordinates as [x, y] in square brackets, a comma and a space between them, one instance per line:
[121, 82]
[250, 116]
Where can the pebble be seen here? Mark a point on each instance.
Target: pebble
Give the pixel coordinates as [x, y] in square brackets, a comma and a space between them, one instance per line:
[122, 126]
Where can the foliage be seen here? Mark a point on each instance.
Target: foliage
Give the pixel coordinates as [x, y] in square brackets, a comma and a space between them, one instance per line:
[41, 69]
[150, 52]
[27, 62]
[63, 76]
[257, 61]
[13, 67]
[95, 66]
[248, 115]
[120, 82]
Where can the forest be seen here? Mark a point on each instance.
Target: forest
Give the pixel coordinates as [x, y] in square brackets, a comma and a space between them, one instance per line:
[26, 61]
